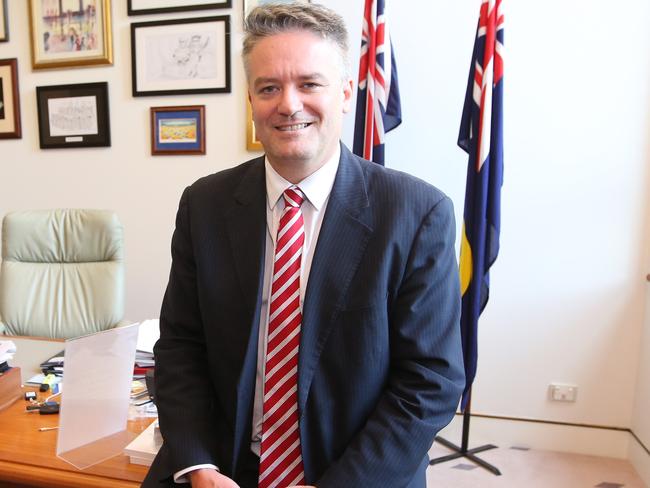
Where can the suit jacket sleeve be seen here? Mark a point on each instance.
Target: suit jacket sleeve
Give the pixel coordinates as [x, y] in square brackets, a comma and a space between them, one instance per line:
[184, 393]
[425, 376]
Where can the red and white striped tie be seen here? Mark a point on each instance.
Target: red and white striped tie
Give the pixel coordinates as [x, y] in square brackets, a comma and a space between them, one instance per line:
[280, 453]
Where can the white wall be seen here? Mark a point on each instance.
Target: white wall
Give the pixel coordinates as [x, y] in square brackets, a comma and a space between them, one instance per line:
[567, 295]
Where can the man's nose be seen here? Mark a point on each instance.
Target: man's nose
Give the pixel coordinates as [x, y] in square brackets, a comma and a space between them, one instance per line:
[290, 102]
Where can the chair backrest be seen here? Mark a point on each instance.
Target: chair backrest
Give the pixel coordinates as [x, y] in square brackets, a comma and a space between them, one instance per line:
[62, 272]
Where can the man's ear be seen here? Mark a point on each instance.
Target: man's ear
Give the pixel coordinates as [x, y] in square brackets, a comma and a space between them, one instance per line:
[348, 89]
[250, 102]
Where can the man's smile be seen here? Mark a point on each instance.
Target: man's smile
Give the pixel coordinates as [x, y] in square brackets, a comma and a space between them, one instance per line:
[293, 127]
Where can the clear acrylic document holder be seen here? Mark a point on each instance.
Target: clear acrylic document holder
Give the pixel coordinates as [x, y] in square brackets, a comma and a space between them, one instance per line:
[95, 402]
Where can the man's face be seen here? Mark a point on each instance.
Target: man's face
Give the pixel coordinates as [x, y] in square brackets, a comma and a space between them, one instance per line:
[298, 97]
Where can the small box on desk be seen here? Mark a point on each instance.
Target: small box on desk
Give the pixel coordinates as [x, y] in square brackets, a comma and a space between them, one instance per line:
[10, 387]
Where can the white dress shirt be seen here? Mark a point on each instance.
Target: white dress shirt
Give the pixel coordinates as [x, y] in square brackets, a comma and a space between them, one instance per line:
[316, 188]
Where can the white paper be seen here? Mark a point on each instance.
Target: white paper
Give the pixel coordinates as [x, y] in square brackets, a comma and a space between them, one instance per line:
[72, 116]
[7, 351]
[148, 335]
[39, 378]
[145, 446]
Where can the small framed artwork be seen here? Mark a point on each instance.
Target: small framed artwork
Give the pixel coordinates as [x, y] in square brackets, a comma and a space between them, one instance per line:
[252, 143]
[251, 4]
[70, 33]
[140, 7]
[73, 115]
[9, 100]
[178, 130]
[181, 56]
[4, 23]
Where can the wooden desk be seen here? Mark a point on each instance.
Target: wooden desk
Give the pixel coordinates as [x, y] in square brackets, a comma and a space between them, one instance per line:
[28, 457]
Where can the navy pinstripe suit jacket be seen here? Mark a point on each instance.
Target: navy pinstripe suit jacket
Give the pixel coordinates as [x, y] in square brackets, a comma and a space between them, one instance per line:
[380, 364]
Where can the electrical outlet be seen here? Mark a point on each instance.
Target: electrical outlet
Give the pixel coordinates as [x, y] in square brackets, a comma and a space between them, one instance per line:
[563, 393]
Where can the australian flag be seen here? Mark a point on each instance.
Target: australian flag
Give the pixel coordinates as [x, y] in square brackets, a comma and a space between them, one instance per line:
[481, 136]
[378, 102]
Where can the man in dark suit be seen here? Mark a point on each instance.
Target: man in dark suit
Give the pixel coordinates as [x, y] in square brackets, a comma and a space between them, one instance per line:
[310, 327]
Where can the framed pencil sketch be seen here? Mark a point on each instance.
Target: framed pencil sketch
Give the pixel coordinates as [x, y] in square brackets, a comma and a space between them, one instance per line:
[251, 4]
[4, 22]
[73, 115]
[181, 56]
[9, 100]
[178, 130]
[70, 33]
[252, 143]
[140, 7]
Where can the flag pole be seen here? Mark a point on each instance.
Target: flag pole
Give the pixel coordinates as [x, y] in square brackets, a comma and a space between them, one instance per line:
[481, 136]
[463, 451]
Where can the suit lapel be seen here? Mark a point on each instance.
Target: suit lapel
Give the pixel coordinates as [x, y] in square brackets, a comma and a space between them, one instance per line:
[246, 225]
[334, 264]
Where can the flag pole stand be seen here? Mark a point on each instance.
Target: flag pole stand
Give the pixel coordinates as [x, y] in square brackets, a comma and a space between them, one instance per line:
[463, 451]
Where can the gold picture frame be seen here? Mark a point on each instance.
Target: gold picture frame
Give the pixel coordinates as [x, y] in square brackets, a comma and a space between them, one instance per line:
[70, 33]
[252, 143]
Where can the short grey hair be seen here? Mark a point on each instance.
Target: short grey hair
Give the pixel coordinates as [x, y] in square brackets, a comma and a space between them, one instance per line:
[277, 18]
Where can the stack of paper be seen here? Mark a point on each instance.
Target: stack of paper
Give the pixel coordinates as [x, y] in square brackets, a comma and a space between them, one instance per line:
[143, 449]
[54, 365]
[147, 337]
[7, 351]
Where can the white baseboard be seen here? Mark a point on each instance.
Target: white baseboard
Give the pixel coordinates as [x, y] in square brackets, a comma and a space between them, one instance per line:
[537, 435]
[640, 459]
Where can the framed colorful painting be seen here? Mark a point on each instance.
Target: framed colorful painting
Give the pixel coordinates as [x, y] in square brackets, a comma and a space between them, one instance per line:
[73, 115]
[181, 56]
[70, 33]
[9, 100]
[178, 130]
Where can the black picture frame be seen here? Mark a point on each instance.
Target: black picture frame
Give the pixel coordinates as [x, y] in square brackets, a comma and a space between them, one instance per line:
[173, 6]
[4, 22]
[74, 115]
[181, 56]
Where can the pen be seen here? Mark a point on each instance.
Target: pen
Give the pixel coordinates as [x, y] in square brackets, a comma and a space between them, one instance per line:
[44, 429]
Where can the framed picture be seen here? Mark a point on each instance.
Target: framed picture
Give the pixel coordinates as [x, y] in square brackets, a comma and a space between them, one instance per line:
[252, 143]
[251, 4]
[70, 33]
[178, 130]
[139, 7]
[4, 23]
[173, 57]
[9, 100]
[73, 115]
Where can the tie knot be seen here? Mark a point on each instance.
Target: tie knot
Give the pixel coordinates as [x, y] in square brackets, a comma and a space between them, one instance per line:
[293, 197]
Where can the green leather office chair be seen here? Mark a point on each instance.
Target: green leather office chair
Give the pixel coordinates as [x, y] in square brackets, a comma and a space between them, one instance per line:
[62, 272]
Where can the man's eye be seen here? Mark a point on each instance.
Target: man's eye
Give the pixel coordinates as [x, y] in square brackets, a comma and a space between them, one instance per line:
[267, 89]
[310, 85]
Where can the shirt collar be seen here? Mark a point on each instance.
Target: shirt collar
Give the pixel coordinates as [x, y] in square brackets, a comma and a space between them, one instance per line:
[316, 187]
